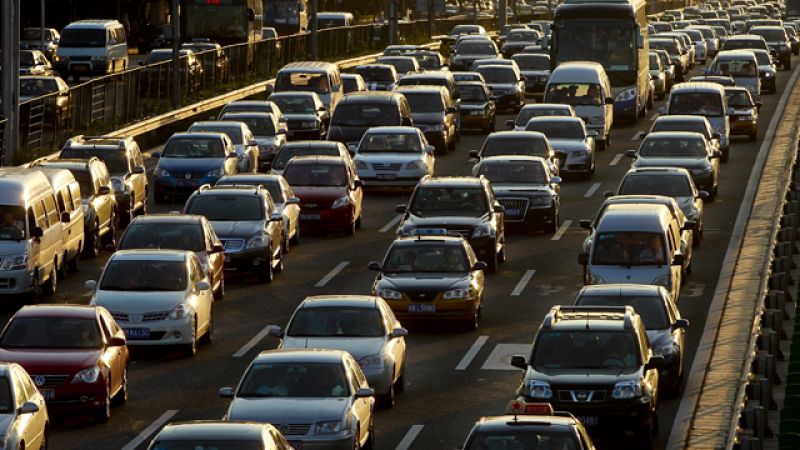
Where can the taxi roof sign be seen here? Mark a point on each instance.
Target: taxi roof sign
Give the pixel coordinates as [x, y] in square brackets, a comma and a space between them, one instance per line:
[523, 408]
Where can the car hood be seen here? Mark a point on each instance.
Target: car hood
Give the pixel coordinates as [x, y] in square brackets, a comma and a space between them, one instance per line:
[190, 164]
[235, 228]
[387, 157]
[593, 377]
[427, 118]
[423, 282]
[359, 347]
[8, 248]
[588, 111]
[503, 191]
[316, 193]
[139, 302]
[467, 56]
[568, 145]
[616, 274]
[6, 421]
[287, 410]
[440, 221]
[689, 163]
[296, 116]
[44, 361]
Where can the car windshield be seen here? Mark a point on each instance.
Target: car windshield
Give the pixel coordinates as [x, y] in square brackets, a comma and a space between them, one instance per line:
[429, 61]
[530, 146]
[161, 56]
[771, 35]
[316, 175]
[571, 129]
[655, 63]
[532, 62]
[259, 126]
[650, 308]
[350, 84]
[738, 98]
[498, 74]
[574, 94]
[737, 44]
[227, 208]
[375, 74]
[116, 160]
[295, 104]
[514, 172]
[144, 275]
[425, 102]
[426, 258]
[521, 438]
[735, 68]
[646, 184]
[302, 81]
[763, 58]
[292, 380]
[476, 48]
[12, 227]
[464, 29]
[290, 151]
[390, 142]
[401, 64]
[233, 132]
[585, 349]
[674, 125]
[193, 148]
[37, 87]
[337, 322]
[83, 37]
[365, 115]
[449, 201]
[163, 235]
[473, 94]
[52, 332]
[84, 179]
[699, 103]
[629, 249]
[673, 147]
[208, 444]
[528, 113]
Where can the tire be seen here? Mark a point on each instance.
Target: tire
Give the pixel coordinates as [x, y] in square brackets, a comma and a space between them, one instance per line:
[93, 242]
[280, 264]
[552, 228]
[111, 235]
[190, 349]
[370, 444]
[400, 384]
[493, 125]
[491, 265]
[45, 438]
[451, 146]
[122, 396]
[387, 400]
[208, 337]
[698, 237]
[358, 222]
[356, 440]
[295, 240]
[32, 297]
[74, 265]
[50, 286]
[474, 322]
[103, 413]
[266, 276]
[219, 294]
[351, 230]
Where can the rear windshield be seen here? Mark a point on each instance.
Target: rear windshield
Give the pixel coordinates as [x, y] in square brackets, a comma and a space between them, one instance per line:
[316, 175]
[646, 184]
[425, 102]
[287, 153]
[699, 103]
[302, 81]
[375, 74]
[531, 146]
[571, 129]
[650, 308]
[673, 147]
[532, 62]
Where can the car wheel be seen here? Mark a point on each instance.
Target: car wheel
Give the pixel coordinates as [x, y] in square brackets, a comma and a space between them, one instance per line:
[387, 400]
[493, 125]
[32, 297]
[351, 229]
[51, 285]
[295, 240]
[103, 413]
[94, 243]
[698, 236]
[111, 235]
[122, 395]
[451, 146]
[190, 349]
[279, 265]
[491, 265]
[266, 275]
[370, 444]
[45, 438]
[400, 384]
[75, 263]
[219, 294]
[474, 322]
[208, 337]
[357, 439]
[553, 227]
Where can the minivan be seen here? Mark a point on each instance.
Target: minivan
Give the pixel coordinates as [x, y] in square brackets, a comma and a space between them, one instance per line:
[92, 47]
[333, 19]
[742, 65]
[68, 201]
[586, 87]
[702, 99]
[635, 243]
[362, 110]
[323, 78]
[31, 234]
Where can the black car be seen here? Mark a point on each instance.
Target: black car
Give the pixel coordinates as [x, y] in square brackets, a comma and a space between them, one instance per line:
[477, 107]
[535, 68]
[463, 205]
[596, 363]
[357, 112]
[516, 40]
[215, 61]
[506, 85]
[378, 77]
[529, 143]
[435, 113]
[306, 116]
[155, 79]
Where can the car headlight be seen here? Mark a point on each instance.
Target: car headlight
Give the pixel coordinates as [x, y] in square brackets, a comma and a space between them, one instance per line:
[341, 202]
[361, 165]
[389, 294]
[255, 242]
[662, 280]
[594, 279]
[768, 74]
[540, 201]
[456, 294]
[539, 389]
[330, 427]
[216, 172]
[14, 262]
[159, 172]
[626, 390]
[180, 312]
[483, 231]
[308, 124]
[371, 362]
[626, 95]
[87, 376]
[417, 165]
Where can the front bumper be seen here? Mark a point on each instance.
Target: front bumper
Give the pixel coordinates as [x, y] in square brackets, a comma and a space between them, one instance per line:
[69, 397]
[92, 68]
[534, 216]
[326, 219]
[480, 120]
[570, 163]
[450, 310]
[741, 125]
[14, 282]
[162, 332]
[401, 178]
[246, 259]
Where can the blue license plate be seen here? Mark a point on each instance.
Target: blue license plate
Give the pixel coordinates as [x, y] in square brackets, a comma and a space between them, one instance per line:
[513, 212]
[137, 333]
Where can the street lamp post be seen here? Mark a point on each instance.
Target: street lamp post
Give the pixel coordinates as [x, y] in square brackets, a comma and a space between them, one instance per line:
[176, 54]
[10, 78]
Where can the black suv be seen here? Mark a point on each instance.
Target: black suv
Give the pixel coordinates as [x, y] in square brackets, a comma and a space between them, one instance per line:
[247, 224]
[595, 362]
[464, 205]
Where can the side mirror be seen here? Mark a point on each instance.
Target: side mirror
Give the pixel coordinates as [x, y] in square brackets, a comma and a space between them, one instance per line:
[374, 265]
[203, 286]
[480, 265]
[473, 154]
[703, 194]
[252, 143]
[510, 123]
[583, 258]
[365, 393]
[138, 170]
[28, 408]
[677, 260]
[399, 332]
[114, 341]
[609, 100]
[276, 332]
[275, 217]
[655, 362]
[608, 194]
[555, 179]
[217, 248]
[585, 224]
[680, 323]
[630, 153]
[400, 208]
[104, 190]
[37, 232]
[592, 133]
[519, 362]
[65, 217]
[90, 285]
[689, 225]
[226, 392]
[716, 154]
[358, 183]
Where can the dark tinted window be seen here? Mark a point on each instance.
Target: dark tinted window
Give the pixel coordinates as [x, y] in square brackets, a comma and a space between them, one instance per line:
[290, 151]
[531, 146]
[585, 350]
[365, 115]
[294, 380]
[426, 258]
[646, 184]
[77, 37]
[227, 208]
[51, 332]
[193, 148]
[316, 175]
[337, 322]
[163, 235]
[650, 308]
[449, 201]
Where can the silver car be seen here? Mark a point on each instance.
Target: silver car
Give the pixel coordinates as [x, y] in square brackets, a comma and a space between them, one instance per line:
[319, 399]
[532, 110]
[267, 132]
[394, 156]
[362, 325]
[573, 144]
[221, 435]
[23, 416]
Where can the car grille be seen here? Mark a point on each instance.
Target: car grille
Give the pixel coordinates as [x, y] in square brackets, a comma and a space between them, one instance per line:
[120, 317]
[582, 395]
[511, 204]
[155, 316]
[422, 296]
[80, 58]
[232, 244]
[386, 166]
[45, 381]
[146, 317]
[293, 429]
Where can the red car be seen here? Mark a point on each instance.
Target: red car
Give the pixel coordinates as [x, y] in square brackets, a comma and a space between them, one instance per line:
[330, 192]
[76, 355]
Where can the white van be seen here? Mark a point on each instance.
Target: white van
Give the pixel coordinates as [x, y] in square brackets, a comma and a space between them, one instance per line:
[333, 19]
[92, 47]
[324, 78]
[68, 201]
[585, 86]
[31, 234]
[636, 243]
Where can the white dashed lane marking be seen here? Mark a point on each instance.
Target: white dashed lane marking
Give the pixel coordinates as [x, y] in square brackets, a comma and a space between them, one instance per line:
[327, 278]
[592, 189]
[472, 352]
[561, 230]
[408, 439]
[526, 278]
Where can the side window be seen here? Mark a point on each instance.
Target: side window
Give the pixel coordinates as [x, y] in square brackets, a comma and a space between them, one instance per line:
[62, 206]
[39, 214]
[50, 210]
[210, 236]
[20, 391]
[75, 192]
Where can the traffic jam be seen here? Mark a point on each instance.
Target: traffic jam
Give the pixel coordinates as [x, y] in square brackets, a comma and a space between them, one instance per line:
[454, 174]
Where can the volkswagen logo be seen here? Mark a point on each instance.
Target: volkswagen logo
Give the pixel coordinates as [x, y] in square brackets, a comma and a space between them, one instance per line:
[283, 428]
[39, 380]
[581, 396]
[188, 176]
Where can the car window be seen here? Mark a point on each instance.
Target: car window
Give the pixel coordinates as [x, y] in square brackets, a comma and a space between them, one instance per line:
[227, 208]
[144, 275]
[650, 308]
[294, 380]
[514, 172]
[163, 235]
[51, 332]
[50, 210]
[673, 147]
[449, 201]
[39, 211]
[646, 184]
[105, 327]
[336, 321]
[585, 349]
[194, 148]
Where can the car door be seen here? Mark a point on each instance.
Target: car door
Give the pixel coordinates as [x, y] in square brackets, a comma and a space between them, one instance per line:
[498, 217]
[362, 407]
[214, 253]
[231, 164]
[114, 356]
[203, 297]
[292, 211]
[358, 193]
[396, 347]
[138, 176]
[102, 205]
[274, 227]
[29, 427]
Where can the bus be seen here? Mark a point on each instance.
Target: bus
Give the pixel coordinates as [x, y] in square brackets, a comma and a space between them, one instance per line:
[223, 21]
[286, 16]
[614, 34]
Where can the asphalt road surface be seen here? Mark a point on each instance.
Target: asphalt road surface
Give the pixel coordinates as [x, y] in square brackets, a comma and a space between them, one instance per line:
[453, 377]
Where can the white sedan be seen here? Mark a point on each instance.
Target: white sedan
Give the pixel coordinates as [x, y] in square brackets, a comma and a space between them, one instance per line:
[158, 297]
[393, 156]
[23, 415]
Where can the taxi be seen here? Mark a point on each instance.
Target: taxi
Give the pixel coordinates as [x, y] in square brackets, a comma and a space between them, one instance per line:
[529, 425]
[432, 275]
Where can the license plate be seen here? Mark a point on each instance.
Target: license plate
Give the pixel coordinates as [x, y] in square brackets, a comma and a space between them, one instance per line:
[48, 394]
[80, 68]
[513, 211]
[386, 176]
[476, 113]
[296, 445]
[422, 308]
[588, 421]
[186, 183]
[137, 333]
[310, 217]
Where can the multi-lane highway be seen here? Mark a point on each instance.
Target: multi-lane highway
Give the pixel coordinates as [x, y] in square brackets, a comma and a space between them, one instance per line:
[452, 377]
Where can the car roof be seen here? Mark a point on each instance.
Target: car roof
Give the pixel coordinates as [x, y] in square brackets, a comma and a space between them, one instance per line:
[680, 118]
[470, 83]
[313, 144]
[295, 356]
[697, 86]
[515, 135]
[420, 88]
[510, 423]
[736, 88]
[634, 217]
[197, 134]
[675, 134]
[735, 54]
[55, 310]
[555, 119]
[280, 94]
[218, 124]
[234, 114]
[511, 158]
[168, 218]
[449, 239]
[322, 301]
[429, 74]
[251, 177]
[622, 289]
[392, 130]
[450, 181]
[658, 170]
[316, 159]
[151, 254]
[66, 163]
[371, 97]
[212, 429]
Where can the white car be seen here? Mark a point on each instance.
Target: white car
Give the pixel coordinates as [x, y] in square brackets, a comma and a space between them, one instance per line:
[394, 156]
[23, 415]
[158, 297]
[244, 142]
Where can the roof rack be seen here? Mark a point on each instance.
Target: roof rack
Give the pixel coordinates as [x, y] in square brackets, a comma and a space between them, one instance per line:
[590, 312]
